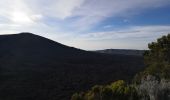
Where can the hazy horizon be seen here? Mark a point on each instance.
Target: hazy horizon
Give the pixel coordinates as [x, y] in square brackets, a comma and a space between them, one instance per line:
[89, 24]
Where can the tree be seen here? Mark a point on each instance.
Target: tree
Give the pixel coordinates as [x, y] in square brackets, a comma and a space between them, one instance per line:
[157, 58]
[152, 89]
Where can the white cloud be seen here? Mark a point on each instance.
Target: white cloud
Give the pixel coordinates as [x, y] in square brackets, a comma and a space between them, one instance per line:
[60, 9]
[17, 12]
[129, 32]
[20, 17]
[78, 15]
[95, 11]
[88, 12]
[133, 37]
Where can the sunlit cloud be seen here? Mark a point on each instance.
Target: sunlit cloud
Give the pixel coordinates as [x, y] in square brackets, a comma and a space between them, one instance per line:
[20, 17]
[71, 21]
[129, 32]
[131, 37]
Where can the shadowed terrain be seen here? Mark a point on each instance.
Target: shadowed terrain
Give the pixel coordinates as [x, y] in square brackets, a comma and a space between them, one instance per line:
[36, 68]
[123, 51]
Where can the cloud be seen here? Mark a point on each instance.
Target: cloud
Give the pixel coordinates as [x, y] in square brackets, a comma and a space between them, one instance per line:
[135, 32]
[17, 12]
[93, 12]
[88, 13]
[60, 9]
[132, 37]
[64, 20]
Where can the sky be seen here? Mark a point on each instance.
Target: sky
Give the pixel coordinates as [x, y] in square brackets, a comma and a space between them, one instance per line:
[89, 24]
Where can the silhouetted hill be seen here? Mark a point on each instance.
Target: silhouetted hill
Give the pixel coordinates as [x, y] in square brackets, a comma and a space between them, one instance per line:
[36, 68]
[122, 51]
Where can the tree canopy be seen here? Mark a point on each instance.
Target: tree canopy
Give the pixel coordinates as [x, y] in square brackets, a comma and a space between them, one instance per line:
[157, 58]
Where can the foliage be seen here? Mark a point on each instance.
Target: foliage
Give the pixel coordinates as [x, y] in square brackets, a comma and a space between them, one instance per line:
[153, 89]
[77, 96]
[152, 84]
[118, 90]
[150, 88]
[157, 58]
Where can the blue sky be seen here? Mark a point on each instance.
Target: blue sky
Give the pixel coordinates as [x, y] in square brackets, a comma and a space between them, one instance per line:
[89, 24]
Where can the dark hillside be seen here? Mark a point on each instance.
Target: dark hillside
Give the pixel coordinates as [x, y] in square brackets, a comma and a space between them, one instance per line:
[123, 51]
[35, 68]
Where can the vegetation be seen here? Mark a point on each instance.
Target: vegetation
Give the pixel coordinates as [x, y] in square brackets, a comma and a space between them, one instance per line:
[151, 84]
[157, 59]
[151, 88]
[118, 90]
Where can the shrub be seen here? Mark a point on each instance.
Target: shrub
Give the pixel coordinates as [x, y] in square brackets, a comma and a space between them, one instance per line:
[153, 89]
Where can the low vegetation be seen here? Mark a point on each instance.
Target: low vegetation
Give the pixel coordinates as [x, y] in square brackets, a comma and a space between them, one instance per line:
[118, 90]
[151, 84]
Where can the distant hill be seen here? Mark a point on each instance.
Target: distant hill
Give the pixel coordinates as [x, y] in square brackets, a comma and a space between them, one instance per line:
[36, 68]
[123, 51]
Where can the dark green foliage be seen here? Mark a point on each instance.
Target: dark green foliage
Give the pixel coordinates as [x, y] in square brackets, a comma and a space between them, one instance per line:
[118, 90]
[106, 93]
[157, 59]
[77, 96]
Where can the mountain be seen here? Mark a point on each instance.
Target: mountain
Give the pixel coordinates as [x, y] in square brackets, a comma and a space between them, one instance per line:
[36, 68]
[123, 51]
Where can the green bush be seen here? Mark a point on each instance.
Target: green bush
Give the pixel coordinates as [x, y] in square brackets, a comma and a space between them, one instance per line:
[157, 58]
[118, 90]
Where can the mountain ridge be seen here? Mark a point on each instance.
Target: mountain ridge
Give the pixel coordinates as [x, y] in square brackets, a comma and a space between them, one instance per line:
[122, 51]
[36, 68]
